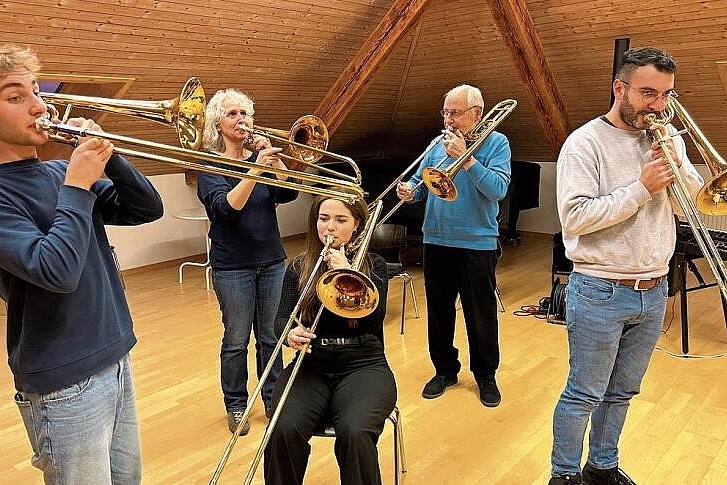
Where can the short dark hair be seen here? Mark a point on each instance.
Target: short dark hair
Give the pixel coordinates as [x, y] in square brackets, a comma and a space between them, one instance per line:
[643, 56]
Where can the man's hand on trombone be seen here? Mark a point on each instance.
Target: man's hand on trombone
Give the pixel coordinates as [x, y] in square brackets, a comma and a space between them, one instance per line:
[88, 160]
[405, 191]
[663, 139]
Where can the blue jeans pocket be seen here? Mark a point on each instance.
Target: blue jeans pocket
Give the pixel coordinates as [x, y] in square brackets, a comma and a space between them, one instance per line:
[595, 291]
[26, 412]
[67, 393]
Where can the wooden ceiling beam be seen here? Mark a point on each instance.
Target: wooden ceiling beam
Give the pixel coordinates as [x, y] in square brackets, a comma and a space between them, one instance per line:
[343, 94]
[518, 29]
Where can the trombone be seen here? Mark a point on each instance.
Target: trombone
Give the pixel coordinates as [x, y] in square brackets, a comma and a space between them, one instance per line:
[711, 198]
[340, 303]
[306, 143]
[440, 181]
[263, 377]
[186, 115]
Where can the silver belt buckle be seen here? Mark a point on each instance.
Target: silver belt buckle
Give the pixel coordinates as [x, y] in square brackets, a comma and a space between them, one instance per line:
[637, 282]
[332, 341]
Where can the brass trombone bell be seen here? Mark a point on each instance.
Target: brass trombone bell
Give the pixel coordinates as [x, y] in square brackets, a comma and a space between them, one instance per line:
[712, 197]
[347, 293]
[307, 131]
[440, 183]
[305, 144]
[184, 113]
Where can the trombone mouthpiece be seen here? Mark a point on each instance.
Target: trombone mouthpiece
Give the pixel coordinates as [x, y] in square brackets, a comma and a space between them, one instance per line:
[43, 124]
[650, 118]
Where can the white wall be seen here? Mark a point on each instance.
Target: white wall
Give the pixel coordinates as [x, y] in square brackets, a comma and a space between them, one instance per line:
[543, 219]
[172, 238]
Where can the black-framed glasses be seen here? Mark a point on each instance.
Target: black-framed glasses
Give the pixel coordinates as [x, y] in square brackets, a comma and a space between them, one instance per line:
[649, 96]
[454, 113]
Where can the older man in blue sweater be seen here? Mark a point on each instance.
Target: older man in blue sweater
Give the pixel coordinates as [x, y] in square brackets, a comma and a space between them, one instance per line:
[461, 245]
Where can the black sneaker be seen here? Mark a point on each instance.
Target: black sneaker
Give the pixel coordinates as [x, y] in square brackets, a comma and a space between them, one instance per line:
[437, 385]
[489, 393]
[565, 480]
[234, 418]
[612, 476]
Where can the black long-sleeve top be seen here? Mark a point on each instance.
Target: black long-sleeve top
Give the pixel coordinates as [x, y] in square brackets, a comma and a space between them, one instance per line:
[332, 325]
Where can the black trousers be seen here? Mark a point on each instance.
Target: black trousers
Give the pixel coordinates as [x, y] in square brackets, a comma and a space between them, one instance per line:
[353, 387]
[471, 274]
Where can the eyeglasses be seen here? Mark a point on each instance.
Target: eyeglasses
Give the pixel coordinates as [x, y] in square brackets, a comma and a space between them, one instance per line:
[454, 113]
[649, 96]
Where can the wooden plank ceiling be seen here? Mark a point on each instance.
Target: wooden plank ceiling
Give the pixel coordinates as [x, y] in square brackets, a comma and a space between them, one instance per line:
[288, 54]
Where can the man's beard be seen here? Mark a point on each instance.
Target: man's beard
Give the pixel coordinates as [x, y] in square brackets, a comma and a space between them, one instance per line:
[631, 117]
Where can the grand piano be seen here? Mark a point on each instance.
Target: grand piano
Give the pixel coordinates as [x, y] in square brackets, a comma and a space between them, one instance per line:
[685, 253]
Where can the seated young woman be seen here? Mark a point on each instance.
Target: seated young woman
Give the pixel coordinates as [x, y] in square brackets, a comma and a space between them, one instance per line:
[345, 378]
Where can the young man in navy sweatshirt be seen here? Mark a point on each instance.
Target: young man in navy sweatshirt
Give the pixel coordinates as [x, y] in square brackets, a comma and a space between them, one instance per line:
[69, 330]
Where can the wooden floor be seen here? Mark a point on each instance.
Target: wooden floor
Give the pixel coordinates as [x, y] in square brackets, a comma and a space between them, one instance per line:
[675, 433]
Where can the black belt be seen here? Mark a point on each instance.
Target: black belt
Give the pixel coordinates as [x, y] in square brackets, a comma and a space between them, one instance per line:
[323, 342]
[640, 284]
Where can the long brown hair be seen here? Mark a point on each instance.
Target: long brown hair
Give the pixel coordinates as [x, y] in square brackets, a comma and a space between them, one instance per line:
[314, 246]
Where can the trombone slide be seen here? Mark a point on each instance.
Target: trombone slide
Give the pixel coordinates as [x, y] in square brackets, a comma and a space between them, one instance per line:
[263, 377]
[681, 193]
[344, 189]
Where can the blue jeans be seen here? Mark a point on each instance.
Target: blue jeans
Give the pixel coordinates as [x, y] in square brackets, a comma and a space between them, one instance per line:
[612, 332]
[249, 300]
[87, 433]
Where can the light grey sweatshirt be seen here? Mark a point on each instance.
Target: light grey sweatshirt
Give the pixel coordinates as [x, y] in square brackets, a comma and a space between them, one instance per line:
[612, 226]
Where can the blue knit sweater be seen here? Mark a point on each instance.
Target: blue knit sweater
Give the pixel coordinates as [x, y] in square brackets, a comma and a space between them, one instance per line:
[67, 313]
[470, 221]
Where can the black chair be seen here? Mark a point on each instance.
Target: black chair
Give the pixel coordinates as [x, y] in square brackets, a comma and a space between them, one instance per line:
[389, 240]
[328, 431]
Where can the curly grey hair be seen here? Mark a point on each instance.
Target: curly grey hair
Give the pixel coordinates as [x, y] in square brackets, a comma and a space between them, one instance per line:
[211, 138]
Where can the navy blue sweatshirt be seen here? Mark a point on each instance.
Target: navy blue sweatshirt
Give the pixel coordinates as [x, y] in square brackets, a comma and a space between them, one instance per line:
[248, 237]
[67, 312]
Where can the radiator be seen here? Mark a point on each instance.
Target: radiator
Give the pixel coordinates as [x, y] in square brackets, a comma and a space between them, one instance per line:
[718, 223]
